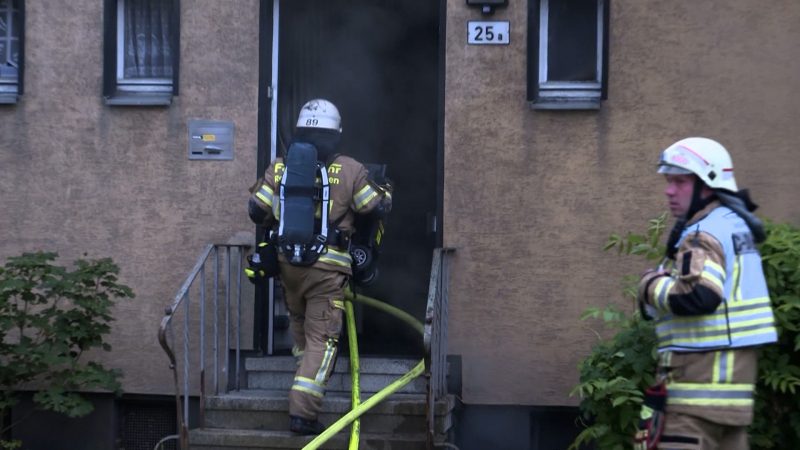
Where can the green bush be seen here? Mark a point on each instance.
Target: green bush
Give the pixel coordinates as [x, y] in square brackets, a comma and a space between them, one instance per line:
[777, 410]
[616, 372]
[49, 318]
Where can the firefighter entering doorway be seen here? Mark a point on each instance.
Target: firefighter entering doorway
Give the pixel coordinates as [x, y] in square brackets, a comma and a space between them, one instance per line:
[309, 200]
[378, 61]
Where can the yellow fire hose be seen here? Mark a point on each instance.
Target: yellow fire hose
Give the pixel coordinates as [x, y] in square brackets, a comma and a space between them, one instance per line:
[352, 339]
[360, 408]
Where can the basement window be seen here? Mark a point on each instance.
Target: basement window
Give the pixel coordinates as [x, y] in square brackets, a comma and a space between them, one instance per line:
[568, 60]
[11, 46]
[141, 52]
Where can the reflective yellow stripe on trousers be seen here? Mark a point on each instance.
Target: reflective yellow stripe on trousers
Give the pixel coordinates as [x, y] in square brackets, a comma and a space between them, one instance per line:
[710, 394]
[308, 386]
[723, 367]
[327, 359]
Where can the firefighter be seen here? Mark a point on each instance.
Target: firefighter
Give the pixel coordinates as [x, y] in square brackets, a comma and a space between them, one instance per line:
[712, 308]
[314, 276]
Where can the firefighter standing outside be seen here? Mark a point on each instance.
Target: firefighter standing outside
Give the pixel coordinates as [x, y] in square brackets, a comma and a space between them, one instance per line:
[712, 308]
[314, 293]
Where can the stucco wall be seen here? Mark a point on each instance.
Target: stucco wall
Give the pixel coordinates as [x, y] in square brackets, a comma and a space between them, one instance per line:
[78, 176]
[531, 196]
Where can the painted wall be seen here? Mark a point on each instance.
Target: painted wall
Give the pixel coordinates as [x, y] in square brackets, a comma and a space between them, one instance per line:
[78, 176]
[531, 196]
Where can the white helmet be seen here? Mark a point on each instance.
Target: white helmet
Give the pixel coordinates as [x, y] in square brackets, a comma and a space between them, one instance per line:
[703, 157]
[320, 113]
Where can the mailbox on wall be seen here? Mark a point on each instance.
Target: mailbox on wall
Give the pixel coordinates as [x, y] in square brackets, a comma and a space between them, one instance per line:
[210, 139]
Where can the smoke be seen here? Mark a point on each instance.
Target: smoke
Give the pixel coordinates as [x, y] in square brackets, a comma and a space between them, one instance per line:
[377, 60]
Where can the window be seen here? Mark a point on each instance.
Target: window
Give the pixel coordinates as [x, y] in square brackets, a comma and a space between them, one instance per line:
[568, 46]
[141, 52]
[11, 46]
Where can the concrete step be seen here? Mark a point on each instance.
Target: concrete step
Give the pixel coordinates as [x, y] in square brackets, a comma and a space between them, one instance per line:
[210, 439]
[277, 372]
[268, 410]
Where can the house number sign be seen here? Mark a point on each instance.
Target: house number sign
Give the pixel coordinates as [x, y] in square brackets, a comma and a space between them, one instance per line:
[488, 32]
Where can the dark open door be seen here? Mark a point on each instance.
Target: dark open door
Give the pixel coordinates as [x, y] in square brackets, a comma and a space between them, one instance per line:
[378, 61]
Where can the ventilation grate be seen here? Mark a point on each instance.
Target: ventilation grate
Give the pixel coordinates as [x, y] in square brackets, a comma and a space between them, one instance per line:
[143, 425]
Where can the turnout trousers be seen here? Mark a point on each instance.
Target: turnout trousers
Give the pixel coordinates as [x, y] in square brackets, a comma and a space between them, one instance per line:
[685, 432]
[700, 413]
[314, 298]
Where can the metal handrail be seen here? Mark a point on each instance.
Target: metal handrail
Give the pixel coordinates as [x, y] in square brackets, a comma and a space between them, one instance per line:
[182, 298]
[435, 333]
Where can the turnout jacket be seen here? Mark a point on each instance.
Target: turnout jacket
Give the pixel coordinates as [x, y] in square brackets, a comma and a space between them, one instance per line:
[711, 310]
[351, 192]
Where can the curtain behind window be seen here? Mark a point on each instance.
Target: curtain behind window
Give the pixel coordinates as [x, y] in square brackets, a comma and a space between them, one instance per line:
[9, 38]
[147, 39]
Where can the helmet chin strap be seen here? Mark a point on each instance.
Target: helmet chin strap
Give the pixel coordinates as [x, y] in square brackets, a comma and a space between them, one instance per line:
[698, 203]
[674, 236]
[695, 206]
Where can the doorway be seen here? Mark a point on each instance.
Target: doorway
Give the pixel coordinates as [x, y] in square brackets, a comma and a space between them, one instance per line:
[379, 62]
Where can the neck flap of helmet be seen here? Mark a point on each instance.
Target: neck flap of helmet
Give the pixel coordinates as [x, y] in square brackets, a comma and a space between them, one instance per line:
[326, 141]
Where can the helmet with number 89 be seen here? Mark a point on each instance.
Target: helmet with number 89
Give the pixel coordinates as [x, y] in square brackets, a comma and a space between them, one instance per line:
[320, 113]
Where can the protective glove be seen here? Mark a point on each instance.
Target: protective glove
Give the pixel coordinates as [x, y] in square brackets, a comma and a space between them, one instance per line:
[263, 264]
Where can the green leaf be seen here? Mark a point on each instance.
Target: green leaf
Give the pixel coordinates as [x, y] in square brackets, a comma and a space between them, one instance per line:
[620, 400]
[621, 366]
[63, 314]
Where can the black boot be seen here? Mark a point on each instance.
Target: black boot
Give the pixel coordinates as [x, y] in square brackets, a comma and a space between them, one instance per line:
[305, 427]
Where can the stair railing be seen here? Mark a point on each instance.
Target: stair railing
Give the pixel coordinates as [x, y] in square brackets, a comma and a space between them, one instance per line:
[435, 333]
[193, 357]
[433, 365]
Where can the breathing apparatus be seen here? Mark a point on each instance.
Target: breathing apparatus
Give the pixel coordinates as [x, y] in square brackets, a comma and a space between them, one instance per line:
[302, 235]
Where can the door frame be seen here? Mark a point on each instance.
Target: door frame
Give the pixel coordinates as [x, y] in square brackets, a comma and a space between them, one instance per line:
[269, 17]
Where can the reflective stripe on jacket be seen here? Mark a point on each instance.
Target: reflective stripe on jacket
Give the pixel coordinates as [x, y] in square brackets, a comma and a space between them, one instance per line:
[744, 315]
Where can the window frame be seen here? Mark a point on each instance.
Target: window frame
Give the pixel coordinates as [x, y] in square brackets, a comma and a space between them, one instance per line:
[557, 94]
[12, 91]
[118, 91]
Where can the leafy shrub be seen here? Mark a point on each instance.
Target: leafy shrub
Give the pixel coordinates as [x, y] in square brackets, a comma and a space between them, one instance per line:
[616, 372]
[777, 411]
[49, 317]
[614, 375]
